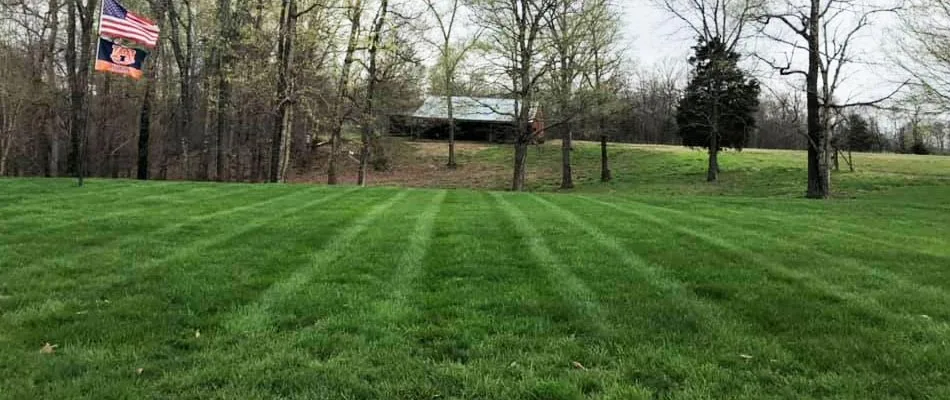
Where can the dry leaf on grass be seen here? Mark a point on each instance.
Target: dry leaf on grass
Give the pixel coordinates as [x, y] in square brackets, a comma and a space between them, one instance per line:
[139, 371]
[49, 348]
[197, 333]
[578, 365]
[745, 356]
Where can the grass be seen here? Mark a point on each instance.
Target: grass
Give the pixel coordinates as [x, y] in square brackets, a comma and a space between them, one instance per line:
[656, 170]
[739, 290]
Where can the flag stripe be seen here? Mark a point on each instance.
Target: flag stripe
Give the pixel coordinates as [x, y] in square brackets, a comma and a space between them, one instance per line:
[120, 35]
[142, 20]
[127, 35]
[115, 22]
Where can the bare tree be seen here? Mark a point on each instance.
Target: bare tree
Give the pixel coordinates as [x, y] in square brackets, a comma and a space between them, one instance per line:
[284, 110]
[450, 56]
[515, 31]
[926, 47]
[78, 60]
[181, 18]
[728, 20]
[826, 32]
[570, 50]
[354, 13]
[372, 70]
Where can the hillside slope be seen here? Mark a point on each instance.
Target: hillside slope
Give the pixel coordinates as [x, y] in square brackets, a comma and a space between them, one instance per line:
[648, 170]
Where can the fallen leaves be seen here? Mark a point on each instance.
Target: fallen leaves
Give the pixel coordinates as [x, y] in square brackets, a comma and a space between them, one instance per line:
[48, 348]
[138, 371]
[578, 365]
[745, 356]
[197, 333]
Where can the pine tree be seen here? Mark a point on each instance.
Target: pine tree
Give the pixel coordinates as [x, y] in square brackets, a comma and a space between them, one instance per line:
[718, 108]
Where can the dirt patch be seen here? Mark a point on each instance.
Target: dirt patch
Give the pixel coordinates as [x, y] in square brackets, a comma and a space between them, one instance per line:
[417, 164]
[441, 149]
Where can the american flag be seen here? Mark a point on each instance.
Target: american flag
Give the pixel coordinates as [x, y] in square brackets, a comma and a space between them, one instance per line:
[117, 22]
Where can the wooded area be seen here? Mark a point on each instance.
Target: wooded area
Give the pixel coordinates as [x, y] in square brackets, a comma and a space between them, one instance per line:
[272, 90]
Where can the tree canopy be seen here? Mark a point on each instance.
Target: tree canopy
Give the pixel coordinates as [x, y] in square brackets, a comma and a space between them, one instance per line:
[719, 104]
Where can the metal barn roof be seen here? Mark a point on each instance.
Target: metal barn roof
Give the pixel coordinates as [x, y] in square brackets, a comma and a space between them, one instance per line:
[478, 109]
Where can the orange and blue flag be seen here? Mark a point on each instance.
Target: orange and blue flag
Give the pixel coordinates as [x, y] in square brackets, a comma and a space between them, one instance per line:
[118, 59]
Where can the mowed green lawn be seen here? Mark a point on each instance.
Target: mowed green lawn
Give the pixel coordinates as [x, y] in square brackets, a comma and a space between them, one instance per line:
[200, 290]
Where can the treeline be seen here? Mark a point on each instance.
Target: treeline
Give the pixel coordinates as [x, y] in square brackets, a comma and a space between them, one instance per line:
[261, 90]
[215, 98]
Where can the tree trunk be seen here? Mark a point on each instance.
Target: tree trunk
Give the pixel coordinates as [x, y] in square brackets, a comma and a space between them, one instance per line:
[819, 178]
[78, 61]
[286, 143]
[521, 165]
[567, 176]
[369, 127]
[712, 172]
[221, 69]
[144, 125]
[605, 175]
[184, 58]
[283, 120]
[834, 158]
[52, 131]
[142, 172]
[356, 11]
[5, 146]
[451, 114]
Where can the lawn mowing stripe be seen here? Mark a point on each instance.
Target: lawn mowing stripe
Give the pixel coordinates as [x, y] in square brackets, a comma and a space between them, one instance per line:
[255, 317]
[127, 274]
[806, 279]
[666, 325]
[90, 190]
[128, 240]
[713, 215]
[566, 284]
[410, 262]
[34, 210]
[830, 214]
[835, 226]
[164, 307]
[484, 322]
[329, 321]
[722, 225]
[881, 338]
[938, 248]
[166, 228]
[71, 212]
[817, 219]
[654, 275]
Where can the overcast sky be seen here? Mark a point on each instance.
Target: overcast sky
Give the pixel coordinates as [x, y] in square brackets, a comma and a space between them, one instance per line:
[653, 38]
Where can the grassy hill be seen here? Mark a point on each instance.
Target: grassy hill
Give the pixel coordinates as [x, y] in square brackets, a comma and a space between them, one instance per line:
[656, 286]
[649, 170]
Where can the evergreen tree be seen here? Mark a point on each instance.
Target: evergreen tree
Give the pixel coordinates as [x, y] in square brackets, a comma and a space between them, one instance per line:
[718, 109]
[859, 135]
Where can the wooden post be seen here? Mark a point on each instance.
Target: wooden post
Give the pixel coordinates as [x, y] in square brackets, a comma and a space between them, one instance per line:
[604, 168]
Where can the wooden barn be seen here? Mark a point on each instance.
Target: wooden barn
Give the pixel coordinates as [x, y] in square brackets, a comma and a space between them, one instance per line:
[476, 119]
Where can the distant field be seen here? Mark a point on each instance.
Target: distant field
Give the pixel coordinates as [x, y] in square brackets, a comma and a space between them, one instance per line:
[650, 288]
[646, 169]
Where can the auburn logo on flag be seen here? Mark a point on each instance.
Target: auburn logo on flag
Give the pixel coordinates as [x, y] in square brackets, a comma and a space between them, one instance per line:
[122, 55]
[119, 59]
